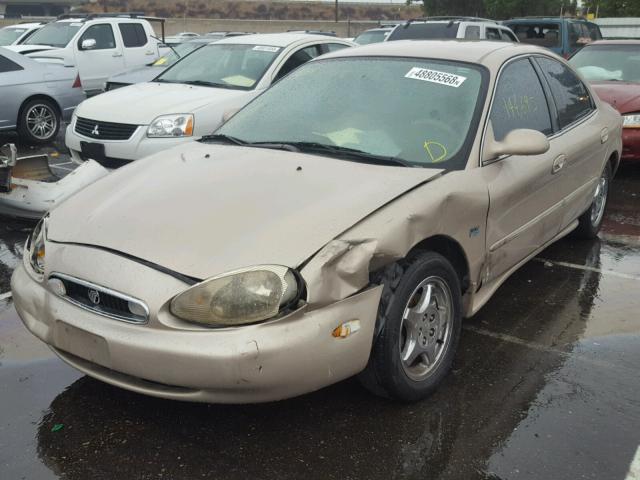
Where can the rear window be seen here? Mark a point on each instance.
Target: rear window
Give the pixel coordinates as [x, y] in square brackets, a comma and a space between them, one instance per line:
[543, 34]
[133, 35]
[425, 31]
[7, 65]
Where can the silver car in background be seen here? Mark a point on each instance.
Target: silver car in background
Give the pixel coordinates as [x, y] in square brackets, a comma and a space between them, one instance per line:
[35, 98]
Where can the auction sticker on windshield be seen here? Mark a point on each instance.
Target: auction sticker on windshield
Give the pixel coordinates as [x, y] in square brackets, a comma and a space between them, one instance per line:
[434, 76]
[265, 48]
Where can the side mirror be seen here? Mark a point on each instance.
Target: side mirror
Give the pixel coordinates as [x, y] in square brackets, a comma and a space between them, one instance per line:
[228, 114]
[88, 44]
[8, 155]
[517, 142]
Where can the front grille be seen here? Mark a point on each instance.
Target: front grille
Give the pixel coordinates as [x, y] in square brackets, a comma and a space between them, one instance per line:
[104, 130]
[101, 300]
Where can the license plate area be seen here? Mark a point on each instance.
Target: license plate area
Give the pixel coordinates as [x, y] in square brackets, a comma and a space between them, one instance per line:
[93, 150]
[81, 343]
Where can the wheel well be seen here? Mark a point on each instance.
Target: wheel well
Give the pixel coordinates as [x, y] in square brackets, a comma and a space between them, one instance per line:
[614, 160]
[38, 97]
[452, 251]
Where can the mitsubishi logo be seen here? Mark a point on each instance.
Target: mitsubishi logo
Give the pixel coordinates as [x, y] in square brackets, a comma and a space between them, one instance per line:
[94, 296]
[95, 131]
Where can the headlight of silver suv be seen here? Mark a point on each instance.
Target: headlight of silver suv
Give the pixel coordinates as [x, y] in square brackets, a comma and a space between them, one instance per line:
[179, 125]
[35, 247]
[631, 121]
[240, 297]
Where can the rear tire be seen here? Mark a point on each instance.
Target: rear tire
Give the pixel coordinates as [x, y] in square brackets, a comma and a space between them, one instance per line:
[589, 222]
[39, 121]
[420, 315]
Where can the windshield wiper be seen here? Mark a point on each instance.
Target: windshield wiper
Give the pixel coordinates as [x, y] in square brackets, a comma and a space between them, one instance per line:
[346, 152]
[220, 137]
[204, 83]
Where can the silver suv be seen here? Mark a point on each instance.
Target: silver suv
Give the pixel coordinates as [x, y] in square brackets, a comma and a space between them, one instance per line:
[463, 28]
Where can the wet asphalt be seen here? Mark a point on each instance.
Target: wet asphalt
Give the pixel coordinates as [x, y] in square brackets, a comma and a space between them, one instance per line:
[545, 386]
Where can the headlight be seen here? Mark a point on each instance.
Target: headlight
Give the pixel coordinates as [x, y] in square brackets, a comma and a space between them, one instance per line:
[180, 125]
[632, 121]
[237, 298]
[35, 249]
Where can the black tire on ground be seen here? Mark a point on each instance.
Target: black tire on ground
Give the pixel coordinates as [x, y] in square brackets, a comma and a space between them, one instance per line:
[407, 285]
[39, 121]
[589, 222]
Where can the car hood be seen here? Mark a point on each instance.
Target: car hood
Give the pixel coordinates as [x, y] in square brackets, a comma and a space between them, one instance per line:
[623, 96]
[137, 75]
[30, 48]
[240, 207]
[140, 104]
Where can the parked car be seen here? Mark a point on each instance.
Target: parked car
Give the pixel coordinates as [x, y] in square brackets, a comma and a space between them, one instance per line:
[462, 28]
[151, 71]
[189, 99]
[99, 46]
[17, 34]
[35, 98]
[561, 35]
[292, 250]
[613, 69]
[373, 35]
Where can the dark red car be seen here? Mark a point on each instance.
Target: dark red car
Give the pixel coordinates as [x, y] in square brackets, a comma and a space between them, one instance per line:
[613, 69]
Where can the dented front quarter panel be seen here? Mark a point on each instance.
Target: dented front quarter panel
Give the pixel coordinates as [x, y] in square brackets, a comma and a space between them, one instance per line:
[453, 205]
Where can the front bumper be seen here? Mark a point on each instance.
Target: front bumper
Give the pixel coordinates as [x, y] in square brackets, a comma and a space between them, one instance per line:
[137, 147]
[256, 363]
[631, 144]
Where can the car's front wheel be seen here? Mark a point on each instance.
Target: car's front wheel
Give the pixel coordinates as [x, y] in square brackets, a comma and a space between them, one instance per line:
[420, 319]
[590, 221]
[39, 121]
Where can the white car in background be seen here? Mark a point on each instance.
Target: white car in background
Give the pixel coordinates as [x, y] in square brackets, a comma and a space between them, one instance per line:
[17, 34]
[98, 45]
[188, 100]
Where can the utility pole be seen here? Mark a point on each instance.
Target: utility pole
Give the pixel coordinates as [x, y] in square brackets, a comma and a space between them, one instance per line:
[336, 11]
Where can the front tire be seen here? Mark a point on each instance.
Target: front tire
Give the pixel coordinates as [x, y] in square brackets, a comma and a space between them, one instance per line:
[589, 222]
[420, 314]
[39, 121]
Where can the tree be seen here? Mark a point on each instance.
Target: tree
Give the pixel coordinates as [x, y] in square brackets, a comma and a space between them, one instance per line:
[499, 9]
[614, 8]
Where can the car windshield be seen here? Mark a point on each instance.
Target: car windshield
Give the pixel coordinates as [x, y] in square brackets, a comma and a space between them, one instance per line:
[10, 35]
[223, 65]
[179, 51]
[57, 34]
[413, 111]
[372, 36]
[425, 31]
[541, 34]
[608, 63]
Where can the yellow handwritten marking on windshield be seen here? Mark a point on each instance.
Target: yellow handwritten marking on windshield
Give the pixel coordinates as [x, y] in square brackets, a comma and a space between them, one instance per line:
[437, 152]
[161, 61]
[239, 81]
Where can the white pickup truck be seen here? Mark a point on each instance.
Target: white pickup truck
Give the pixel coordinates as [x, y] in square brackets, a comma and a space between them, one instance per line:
[99, 45]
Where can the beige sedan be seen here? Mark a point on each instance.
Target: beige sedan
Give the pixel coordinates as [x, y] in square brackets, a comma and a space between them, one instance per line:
[342, 223]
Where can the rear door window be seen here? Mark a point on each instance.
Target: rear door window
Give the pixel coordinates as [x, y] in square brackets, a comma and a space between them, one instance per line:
[570, 95]
[425, 31]
[493, 34]
[472, 32]
[133, 35]
[333, 47]
[298, 58]
[543, 34]
[579, 35]
[507, 36]
[519, 101]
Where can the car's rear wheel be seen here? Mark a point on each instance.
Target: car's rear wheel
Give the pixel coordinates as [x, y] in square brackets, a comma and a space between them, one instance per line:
[39, 121]
[590, 221]
[420, 319]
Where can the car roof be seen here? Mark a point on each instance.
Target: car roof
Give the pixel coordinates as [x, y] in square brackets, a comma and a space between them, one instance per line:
[482, 51]
[547, 19]
[614, 42]
[25, 25]
[276, 39]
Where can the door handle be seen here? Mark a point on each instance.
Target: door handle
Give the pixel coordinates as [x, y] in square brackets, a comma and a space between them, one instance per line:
[148, 53]
[116, 54]
[558, 164]
[604, 135]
